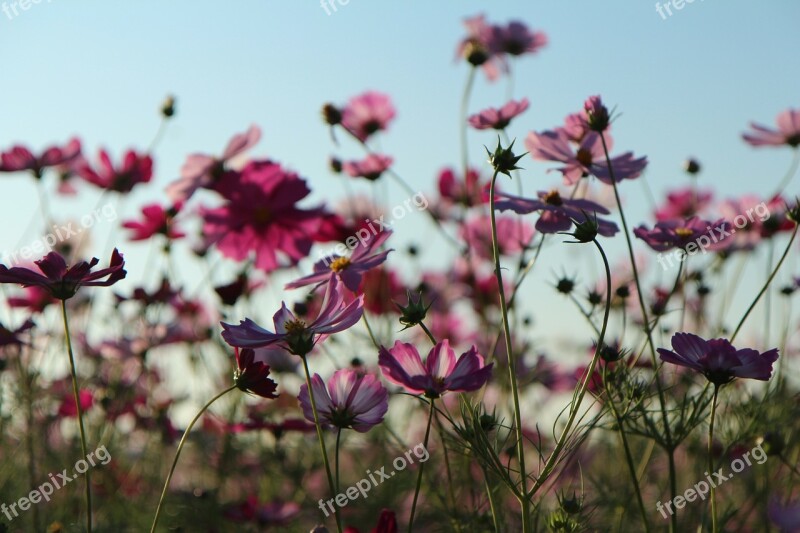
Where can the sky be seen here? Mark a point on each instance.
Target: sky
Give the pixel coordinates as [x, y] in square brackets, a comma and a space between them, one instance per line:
[683, 85]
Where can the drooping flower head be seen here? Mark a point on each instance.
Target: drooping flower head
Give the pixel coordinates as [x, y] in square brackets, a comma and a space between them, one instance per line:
[498, 119]
[63, 282]
[788, 132]
[367, 114]
[294, 334]
[718, 360]
[685, 235]
[134, 168]
[253, 376]
[351, 400]
[441, 372]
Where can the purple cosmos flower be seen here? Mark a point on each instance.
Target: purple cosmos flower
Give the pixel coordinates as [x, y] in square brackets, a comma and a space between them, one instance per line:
[368, 113]
[596, 114]
[516, 39]
[684, 203]
[498, 119]
[685, 234]
[441, 372]
[63, 282]
[19, 158]
[201, 170]
[788, 132]
[11, 337]
[588, 159]
[718, 360]
[371, 167]
[253, 376]
[558, 213]
[292, 333]
[480, 46]
[351, 400]
[134, 168]
[350, 270]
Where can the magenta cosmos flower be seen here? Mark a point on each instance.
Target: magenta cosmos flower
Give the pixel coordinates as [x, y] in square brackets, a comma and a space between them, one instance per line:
[261, 217]
[135, 168]
[350, 270]
[788, 132]
[292, 333]
[684, 203]
[588, 159]
[718, 360]
[371, 167]
[351, 400]
[19, 158]
[156, 221]
[468, 191]
[201, 170]
[498, 119]
[253, 376]
[368, 113]
[441, 372]
[670, 234]
[63, 282]
[558, 213]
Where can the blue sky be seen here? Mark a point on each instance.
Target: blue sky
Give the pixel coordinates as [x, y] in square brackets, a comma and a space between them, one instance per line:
[687, 85]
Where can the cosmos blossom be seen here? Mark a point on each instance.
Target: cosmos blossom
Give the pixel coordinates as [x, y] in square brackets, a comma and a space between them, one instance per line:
[366, 255]
[134, 168]
[557, 212]
[513, 235]
[685, 234]
[441, 372]
[253, 376]
[684, 203]
[498, 119]
[467, 191]
[788, 132]
[63, 282]
[516, 39]
[367, 114]
[20, 158]
[718, 360]
[292, 333]
[201, 170]
[156, 221]
[587, 159]
[370, 168]
[351, 400]
[261, 217]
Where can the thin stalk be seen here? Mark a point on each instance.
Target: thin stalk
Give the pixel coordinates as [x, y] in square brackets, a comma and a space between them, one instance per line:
[421, 468]
[492, 505]
[79, 410]
[711, 459]
[462, 126]
[428, 333]
[178, 453]
[338, 439]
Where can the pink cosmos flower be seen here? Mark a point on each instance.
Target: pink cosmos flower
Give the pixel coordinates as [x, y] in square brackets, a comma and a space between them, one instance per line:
[558, 212]
[513, 235]
[35, 300]
[670, 234]
[201, 170]
[261, 217]
[157, 221]
[718, 360]
[371, 167]
[367, 114]
[684, 203]
[588, 159]
[349, 270]
[134, 169]
[67, 407]
[441, 372]
[253, 376]
[19, 158]
[351, 400]
[480, 47]
[596, 114]
[516, 39]
[293, 334]
[788, 132]
[63, 282]
[498, 119]
[467, 191]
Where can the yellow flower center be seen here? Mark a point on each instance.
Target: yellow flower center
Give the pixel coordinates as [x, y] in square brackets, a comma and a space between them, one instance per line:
[339, 264]
[553, 198]
[295, 326]
[684, 232]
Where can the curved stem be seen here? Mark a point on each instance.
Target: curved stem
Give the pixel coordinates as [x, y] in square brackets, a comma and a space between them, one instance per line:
[512, 365]
[421, 468]
[321, 439]
[462, 127]
[79, 411]
[767, 284]
[427, 332]
[492, 505]
[711, 459]
[178, 453]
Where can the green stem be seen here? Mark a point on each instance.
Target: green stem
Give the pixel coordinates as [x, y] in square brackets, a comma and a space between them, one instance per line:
[321, 439]
[178, 453]
[79, 410]
[338, 439]
[462, 126]
[427, 332]
[492, 505]
[512, 365]
[711, 459]
[421, 468]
